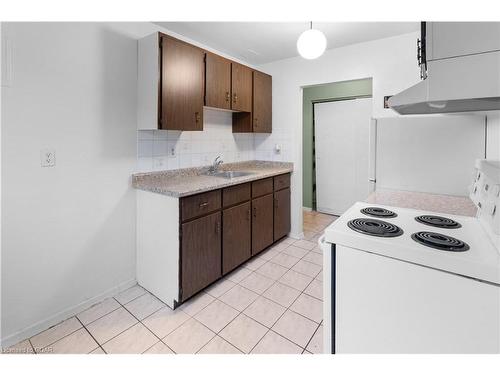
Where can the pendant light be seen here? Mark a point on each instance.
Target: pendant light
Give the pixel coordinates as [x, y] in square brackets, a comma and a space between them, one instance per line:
[311, 43]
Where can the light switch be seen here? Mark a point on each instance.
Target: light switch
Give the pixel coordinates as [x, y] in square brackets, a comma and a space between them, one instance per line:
[48, 158]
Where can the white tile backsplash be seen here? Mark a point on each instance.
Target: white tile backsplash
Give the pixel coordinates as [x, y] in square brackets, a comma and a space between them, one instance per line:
[171, 149]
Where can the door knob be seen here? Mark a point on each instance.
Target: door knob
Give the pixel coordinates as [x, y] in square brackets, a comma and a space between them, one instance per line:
[227, 96]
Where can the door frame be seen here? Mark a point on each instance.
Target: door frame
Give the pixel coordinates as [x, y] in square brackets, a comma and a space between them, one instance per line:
[328, 91]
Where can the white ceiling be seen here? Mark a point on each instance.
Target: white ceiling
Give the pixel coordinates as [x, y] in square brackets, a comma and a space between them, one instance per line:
[263, 42]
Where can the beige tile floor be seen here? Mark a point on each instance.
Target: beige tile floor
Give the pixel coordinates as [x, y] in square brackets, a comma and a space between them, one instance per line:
[272, 304]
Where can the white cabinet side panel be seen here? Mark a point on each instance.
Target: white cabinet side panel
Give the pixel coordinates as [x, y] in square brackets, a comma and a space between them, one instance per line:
[158, 245]
[388, 306]
[147, 82]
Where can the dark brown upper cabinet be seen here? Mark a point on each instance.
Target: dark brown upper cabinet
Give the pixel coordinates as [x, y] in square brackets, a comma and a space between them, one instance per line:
[218, 81]
[176, 80]
[241, 88]
[182, 85]
[262, 102]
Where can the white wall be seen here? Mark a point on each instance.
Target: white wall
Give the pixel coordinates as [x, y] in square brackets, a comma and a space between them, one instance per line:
[433, 153]
[493, 136]
[391, 62]
[68, 231]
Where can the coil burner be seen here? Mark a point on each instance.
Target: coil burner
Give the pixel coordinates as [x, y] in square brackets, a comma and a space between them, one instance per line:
[374, 227]
[378, 212]
[440, 241]
[438, 221]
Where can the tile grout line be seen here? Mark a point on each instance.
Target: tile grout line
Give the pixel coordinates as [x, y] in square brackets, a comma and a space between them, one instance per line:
[140, 322]
[52, 343]
[32, 347]
[93, 338]
[316, 330]
[217, 335]
[286, 309]
[83, 325]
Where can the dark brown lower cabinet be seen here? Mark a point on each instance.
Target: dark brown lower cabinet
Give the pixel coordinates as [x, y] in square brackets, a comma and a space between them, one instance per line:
[262, 223]
[223, 228]
[281, 213]
[201, 254]
[236, 238]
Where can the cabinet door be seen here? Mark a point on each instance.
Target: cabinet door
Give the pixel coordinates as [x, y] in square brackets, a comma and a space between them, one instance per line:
[218, 82]
[241, 87]
[262, 223]
[236, 236]
[182, 85]
[262, 103]
[281, 213]
[200, 254]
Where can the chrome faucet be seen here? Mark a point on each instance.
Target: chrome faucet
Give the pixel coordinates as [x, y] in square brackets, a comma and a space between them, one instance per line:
[215, 166]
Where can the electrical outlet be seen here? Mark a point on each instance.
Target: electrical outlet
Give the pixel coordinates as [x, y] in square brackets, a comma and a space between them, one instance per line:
[48, 158]
[171, 152]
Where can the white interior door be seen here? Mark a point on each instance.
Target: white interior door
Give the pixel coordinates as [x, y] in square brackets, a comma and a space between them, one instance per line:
[342, 137]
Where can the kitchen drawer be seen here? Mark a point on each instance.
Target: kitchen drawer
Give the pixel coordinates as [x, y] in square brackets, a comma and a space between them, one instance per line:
[281, 182]
[200, 204]
[235, 194]
[262, 187]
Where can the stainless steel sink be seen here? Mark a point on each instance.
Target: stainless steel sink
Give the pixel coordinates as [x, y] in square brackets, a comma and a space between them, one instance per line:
[229, 174]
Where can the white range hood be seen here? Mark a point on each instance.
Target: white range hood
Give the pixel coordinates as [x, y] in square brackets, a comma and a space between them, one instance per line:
[460, 67]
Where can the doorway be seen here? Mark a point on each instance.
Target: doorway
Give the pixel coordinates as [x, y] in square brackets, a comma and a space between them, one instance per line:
[323, 93]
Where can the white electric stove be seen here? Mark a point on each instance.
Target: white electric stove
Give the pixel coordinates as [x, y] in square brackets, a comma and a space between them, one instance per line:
[399, 280]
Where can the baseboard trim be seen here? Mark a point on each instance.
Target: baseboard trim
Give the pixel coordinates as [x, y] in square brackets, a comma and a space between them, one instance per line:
[63, 315]
[296, 236]
[307, 209]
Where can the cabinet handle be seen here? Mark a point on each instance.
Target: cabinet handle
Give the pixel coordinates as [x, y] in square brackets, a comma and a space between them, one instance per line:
[235, 98]
[228, 97]
[217, 227]
[204, 204]
[248, 215]
[197, 116]
[255, 212]
[275, 202]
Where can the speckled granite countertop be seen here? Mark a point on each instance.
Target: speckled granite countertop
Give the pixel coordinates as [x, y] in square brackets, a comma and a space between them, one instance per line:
[189, 181]
[447, 204]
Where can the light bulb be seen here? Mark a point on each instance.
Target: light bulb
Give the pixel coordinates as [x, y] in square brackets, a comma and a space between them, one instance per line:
[311, 44]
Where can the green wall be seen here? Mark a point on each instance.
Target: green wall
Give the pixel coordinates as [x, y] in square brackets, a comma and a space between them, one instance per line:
[316, 94]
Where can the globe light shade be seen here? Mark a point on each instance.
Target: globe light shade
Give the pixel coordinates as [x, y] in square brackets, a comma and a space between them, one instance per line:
[311, 44]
